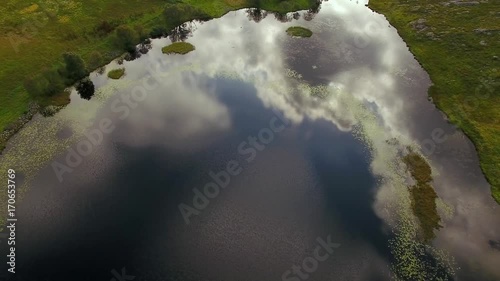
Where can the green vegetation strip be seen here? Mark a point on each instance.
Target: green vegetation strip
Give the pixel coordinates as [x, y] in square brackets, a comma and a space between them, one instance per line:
[181, 48]
[116, 73]
[423, 196]
[298, 31]
[458, 46]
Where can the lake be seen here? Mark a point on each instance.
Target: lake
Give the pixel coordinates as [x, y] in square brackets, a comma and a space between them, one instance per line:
[258, 156]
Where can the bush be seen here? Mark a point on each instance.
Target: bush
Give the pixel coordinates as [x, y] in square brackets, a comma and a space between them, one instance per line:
[74, 67]
[126, 38]
[95, 60]
[36, 85]
[176, 14]
[158, 31]
[46, 84]
[141, 32]
[55, 82]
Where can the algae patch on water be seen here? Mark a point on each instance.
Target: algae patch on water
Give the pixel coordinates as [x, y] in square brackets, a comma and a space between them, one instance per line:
[423, 195]
[299, 31]
[181, 48]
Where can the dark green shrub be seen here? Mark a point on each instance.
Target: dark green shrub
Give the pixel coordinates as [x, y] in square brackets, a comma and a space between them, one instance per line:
[126, 38]
[74, 67]
[95, 60]
[176, 14]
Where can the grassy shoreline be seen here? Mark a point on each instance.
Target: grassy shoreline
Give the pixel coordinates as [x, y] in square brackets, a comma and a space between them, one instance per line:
[36, 34]
[458, 46]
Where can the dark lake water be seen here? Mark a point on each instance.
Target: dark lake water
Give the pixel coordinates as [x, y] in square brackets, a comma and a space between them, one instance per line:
[305, 136]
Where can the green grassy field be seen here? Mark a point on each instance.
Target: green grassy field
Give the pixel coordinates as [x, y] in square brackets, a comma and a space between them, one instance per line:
[459, 46]
[35, 34]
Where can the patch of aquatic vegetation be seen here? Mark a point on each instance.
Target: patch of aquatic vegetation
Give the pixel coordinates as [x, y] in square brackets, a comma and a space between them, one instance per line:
[37, 142]
[444, 209]
[292, 74]
[298, 31]
[319, 91]
[423, 196]
[181, 48]
[413, 259]
[116, 73]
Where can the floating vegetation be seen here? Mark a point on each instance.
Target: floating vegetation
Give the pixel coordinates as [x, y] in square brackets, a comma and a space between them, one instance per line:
[292, 74]
[181, 48]
[116, 73]
[423, 196]
[36, 143]
[413, 258]
[299, 31]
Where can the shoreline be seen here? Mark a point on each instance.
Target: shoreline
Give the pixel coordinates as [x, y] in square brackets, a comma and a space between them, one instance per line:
[34, 106]
[453, 100]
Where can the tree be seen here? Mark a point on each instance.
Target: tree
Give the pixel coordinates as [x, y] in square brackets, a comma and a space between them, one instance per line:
[181, 32]
[74, 67]
[176, 14]
[86, 88]
[126, 38]
[283, 17]
[311, 13]
[256, 14]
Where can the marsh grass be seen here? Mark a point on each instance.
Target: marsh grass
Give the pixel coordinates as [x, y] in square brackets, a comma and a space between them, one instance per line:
[299, 31]
[181, 48]
[116, 73]
[423, 195]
